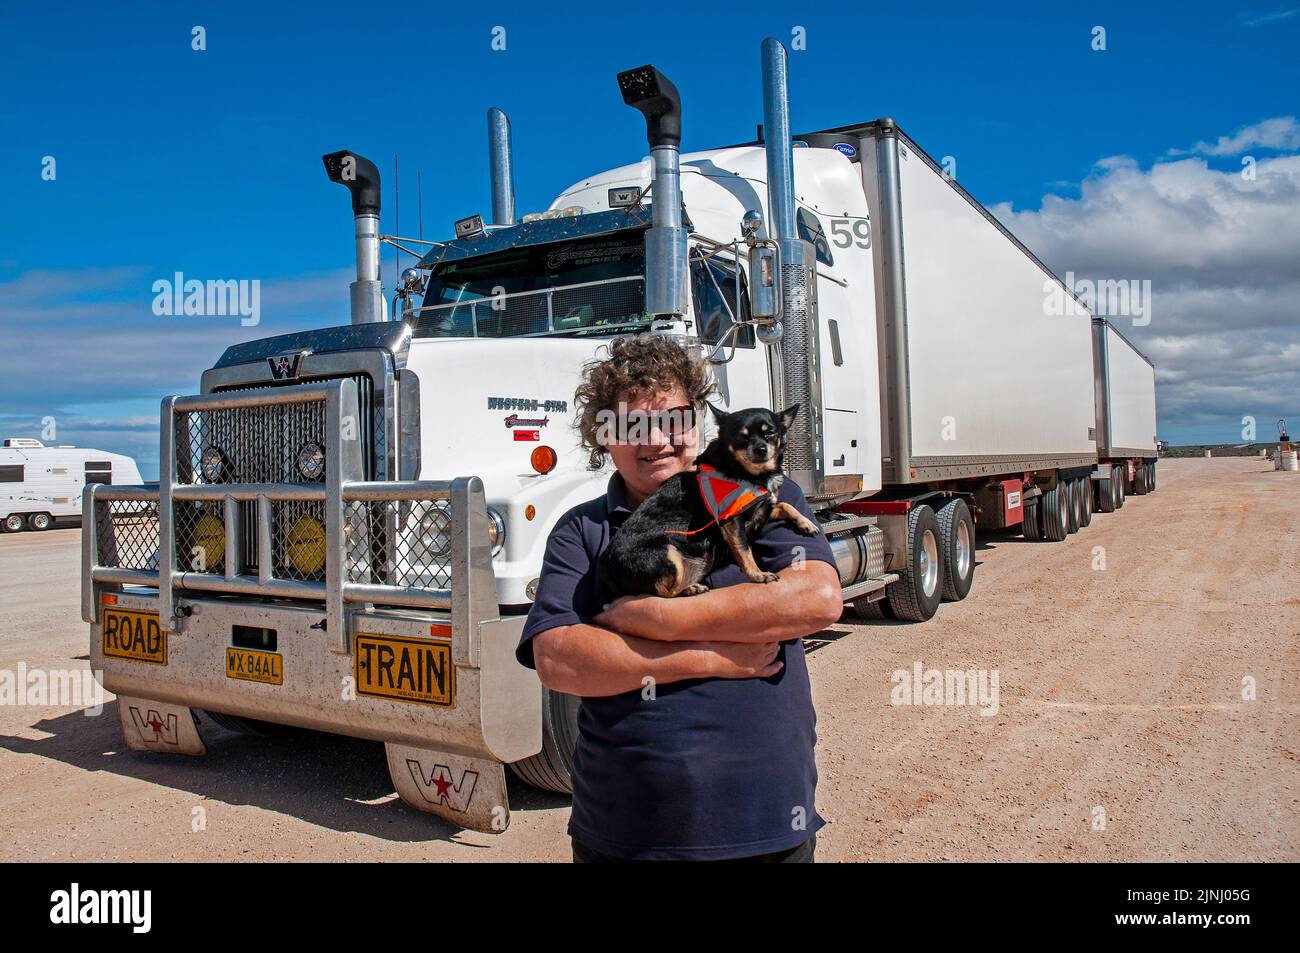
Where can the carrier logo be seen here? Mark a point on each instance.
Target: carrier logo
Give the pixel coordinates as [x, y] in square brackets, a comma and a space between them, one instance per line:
[438, 789]
[847, 148]
[284, 367]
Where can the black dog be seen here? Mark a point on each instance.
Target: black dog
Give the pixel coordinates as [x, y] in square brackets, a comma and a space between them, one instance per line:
[678, 534]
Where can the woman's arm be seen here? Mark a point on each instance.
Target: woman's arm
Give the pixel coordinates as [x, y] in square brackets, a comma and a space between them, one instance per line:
[806, 600]
[591, 661]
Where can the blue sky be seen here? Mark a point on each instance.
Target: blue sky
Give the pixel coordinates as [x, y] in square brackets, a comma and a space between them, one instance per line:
[208, 162]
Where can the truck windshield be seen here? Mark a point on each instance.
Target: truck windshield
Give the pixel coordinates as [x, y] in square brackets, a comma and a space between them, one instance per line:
[589, 286]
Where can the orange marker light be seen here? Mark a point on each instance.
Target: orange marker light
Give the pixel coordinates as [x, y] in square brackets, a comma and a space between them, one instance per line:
[110, 599]
[543, 459]
[530, 511]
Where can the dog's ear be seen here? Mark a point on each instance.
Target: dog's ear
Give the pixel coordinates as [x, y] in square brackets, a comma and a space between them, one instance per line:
[718, 414]
[788, 415]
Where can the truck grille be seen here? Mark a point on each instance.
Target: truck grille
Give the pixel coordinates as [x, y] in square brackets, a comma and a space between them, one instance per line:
[261, 445]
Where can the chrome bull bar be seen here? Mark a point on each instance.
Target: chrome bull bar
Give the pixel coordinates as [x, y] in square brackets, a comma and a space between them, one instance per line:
[469, 596]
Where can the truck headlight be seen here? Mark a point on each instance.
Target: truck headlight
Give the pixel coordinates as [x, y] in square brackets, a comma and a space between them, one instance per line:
[434, 531]
[311, 460]
[305, 545]
[210, 542]
[212, 464]
[496, 531]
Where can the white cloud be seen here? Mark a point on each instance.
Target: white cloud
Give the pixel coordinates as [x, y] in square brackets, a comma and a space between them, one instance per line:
[1223, 255]
[1270, 17]
[1282, 132]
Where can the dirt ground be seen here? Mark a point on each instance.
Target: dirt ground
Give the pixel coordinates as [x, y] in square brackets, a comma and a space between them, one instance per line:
[1121, 731]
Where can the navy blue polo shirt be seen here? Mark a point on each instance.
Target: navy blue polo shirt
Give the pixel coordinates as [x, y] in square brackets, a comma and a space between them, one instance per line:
[710, 768]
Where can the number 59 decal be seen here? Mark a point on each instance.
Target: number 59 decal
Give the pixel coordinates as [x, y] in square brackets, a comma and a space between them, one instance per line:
[851, 231]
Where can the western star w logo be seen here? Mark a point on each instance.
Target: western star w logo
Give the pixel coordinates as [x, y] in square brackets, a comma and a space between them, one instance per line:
[438, 789]
[284, 367]
[153, 728]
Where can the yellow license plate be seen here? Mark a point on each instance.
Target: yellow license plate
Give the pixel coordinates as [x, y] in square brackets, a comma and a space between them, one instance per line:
[132, 634]
[251, 665]
[405, 670]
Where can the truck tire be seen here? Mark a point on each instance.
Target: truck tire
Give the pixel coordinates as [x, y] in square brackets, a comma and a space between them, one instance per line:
[957, 536]
[1120, 486]
[1031, 526]
[1075, 506]
[1055, 506]
[39, 522]
[1105, 496]
[916, 596]
[1151, 474]
[870, 611]
[1140, 480]
[251, 726]
[551, 769]
[1085, 497]
[14, 523]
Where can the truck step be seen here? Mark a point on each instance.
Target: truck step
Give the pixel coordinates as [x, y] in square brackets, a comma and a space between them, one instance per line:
[867, 586]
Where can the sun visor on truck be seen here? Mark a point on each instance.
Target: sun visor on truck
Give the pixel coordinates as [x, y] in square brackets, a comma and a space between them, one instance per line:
[539, 232]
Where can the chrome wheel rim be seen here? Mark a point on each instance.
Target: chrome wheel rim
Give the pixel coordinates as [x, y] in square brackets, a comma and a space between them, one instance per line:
[929, 563]
[963, 548]
[13, 523]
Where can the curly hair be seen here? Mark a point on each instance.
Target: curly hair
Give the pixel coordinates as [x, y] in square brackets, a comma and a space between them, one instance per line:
[637, 366]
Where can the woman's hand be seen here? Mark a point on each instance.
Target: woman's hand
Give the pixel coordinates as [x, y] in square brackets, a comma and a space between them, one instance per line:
[641, 616]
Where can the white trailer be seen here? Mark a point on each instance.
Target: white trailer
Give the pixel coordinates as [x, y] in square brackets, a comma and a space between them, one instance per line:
[41, 486]
[1127, 443]
[349, 525]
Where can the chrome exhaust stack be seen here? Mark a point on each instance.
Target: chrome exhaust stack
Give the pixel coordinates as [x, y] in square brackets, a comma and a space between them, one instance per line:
[501, 163]
[654, 96]
[361, 178]
[797, 367]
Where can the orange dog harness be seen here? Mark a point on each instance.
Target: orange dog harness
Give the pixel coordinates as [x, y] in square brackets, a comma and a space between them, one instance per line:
[724, 499]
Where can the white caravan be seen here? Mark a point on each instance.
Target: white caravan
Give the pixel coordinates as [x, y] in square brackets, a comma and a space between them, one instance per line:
[41, 486]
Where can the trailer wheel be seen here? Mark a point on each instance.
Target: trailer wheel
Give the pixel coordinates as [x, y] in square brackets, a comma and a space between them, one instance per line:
[1055, 507]
[14, 523]
[1031, 526]
[1151, 476]
[1140, 480]
[1073, 506]
[957, 534]
[916, 596]
[551, 769]
[39, 522]
[1106, 495]
[1120, 485]
[1085, 498]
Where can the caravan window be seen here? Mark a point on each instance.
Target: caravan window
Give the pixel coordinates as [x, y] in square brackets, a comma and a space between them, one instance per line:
[11, 474]
[99, 471]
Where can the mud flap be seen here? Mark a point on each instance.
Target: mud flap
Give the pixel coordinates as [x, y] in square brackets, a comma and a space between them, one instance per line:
[467, 792]
[157, 726]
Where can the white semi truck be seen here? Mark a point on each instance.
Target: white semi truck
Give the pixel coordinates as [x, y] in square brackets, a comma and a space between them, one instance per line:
[350, 522]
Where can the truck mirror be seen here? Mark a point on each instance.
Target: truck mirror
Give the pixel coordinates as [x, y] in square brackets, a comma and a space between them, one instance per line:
[764, 282]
